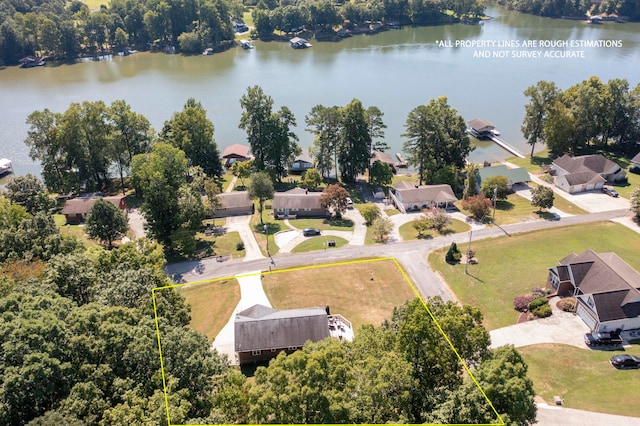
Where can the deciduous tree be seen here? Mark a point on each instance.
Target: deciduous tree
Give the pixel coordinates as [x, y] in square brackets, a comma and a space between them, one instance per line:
[381, 228]
[542, 197]
[334, 198]
[541, 96]
[370, 212]
[324, 123]
[260, 187]
[311, 179]
[478, 206]
[106, 222]
[354, 150]
[29, 192]
[495, 187]
[380, 174]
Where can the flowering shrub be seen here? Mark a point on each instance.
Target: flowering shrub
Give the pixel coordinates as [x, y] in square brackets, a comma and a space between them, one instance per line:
[521, 303]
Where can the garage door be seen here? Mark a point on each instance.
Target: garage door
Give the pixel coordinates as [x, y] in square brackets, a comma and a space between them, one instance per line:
[584, 314]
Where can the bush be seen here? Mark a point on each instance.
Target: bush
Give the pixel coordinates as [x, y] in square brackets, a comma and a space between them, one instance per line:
[535, 303]
[542, 311]
[239, 246]
[453, 254]
[568, 304]
[521, 303]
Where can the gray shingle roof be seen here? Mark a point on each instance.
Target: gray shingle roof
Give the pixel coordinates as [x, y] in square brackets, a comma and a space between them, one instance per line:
[583, 163]
[235, 199]
[287, 200]
[481, 125]
[426, 194]
[264, 328]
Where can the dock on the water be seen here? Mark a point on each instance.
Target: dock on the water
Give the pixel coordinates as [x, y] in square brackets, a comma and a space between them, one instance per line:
[506, 146]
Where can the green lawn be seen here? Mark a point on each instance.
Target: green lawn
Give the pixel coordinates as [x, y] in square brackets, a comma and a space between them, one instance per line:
[532, 164]
[562, 203]
[211, 305]
[408, 232]
[318, 243]
[273, 226]
[510, 266]
[78, 231]
[221, 245]
[392, 212]
[584, 378]
[324, 224]
[364, 293]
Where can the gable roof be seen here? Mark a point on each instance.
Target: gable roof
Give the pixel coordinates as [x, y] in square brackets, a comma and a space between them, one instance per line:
[585, 163]
[304, 157]
[235, 199]
[515, 175]
[613, 284]
[82, 205]
[382, 157]
[297, 198]
[636, 159]
[263, 328]
[425, 193]
[582, 178]
[480, 125]
[236, 150]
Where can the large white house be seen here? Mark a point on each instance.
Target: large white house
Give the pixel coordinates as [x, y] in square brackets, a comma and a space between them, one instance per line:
[407, 196]
[585, 172]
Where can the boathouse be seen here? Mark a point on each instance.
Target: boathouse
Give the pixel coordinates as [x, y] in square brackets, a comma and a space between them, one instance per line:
[481, 128]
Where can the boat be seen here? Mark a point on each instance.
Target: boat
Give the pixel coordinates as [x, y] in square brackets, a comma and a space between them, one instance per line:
[6, 166]
[299, 43]
[208, 51]
[31, 61]
[246, 44]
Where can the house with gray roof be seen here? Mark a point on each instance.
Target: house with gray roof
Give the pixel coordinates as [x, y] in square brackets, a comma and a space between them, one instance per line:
[383, 157]
[235, 203]
[261, 332]
[514, 175]
[481, 128]
[584, 172]
[635, 162]
[606, 288]
[297, 202]
[409, 197]
[302, 162]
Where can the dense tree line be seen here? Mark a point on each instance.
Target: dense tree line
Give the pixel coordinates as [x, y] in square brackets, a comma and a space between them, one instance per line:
[589, 114]
[78, 333]
[65, 30]
[323, 15]
[558, 8]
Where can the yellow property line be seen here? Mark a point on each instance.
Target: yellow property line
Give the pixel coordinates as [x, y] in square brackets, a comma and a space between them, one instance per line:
[302, 268]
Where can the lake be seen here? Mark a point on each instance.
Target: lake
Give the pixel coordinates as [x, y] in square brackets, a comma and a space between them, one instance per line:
[482, 69]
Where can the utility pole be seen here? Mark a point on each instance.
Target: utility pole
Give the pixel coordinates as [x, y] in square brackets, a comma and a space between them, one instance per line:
[466, 266]
[495, 199]
[266, 231]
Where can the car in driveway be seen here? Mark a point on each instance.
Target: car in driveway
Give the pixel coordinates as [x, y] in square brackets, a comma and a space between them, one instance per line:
[625, 361]
[610, 191]
[600, 338]
[310, 232]
[349, 203]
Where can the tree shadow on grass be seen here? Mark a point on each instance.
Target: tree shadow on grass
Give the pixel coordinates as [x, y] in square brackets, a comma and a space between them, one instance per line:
[547, 215]
[540, 161]
[271, 227]
[504, 205]
[425, 237]
[339, 223]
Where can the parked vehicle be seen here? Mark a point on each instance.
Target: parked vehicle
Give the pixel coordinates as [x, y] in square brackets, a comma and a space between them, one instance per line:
[625, 361]
[610, 191]
[349, 203]
[309, 232]
[609, 339]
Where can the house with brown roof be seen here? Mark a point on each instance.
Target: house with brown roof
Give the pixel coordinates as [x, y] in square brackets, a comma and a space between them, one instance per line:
[606, 288]
[235, 203]
[297, 202]
[235, 152]
[480, 128]
[409, 197]
[584, 172]
[76, 210]
[383, 157]
[635, 163]
[261, 332]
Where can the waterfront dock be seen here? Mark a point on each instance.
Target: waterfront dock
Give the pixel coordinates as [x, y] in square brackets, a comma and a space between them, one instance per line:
[482, 129]
[506, 146]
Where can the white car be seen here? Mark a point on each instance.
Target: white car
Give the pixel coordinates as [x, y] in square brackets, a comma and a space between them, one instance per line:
[349, 203]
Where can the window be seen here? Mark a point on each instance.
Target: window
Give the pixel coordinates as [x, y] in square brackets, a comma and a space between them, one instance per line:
[292, 348]
[256, 353]
[273, 350]
[590, 302]
[307, 209]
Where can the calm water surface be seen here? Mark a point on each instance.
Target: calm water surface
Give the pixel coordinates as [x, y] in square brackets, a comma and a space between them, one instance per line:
[396, 70]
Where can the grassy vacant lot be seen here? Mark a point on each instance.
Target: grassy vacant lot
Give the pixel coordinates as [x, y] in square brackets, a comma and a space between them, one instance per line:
[325, 224]
[511, 266]
[584, 378]
[211, 305]
[364, 293]
[408, 232]
[318, 243]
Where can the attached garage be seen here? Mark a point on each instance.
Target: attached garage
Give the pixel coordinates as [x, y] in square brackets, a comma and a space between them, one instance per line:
[586, 316]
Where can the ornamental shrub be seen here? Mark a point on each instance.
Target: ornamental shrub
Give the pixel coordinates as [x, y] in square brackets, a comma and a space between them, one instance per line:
[542, 311]
[239, 246]
[521, 303]
[538, 302]
[453, 254]
[567, 304]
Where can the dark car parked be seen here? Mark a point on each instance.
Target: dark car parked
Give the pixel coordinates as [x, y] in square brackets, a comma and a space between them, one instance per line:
[594, 339]
[610, 192]
[309, 232]
[625, 361]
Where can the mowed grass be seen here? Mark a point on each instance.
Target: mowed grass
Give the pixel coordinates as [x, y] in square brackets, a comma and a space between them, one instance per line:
[562, 203]
[364, 293]
[409, 233]
[211, 305]
[584, 378]
[324, 224]
[273, 226]
[319, 243]
[511, 266]
[78, 231]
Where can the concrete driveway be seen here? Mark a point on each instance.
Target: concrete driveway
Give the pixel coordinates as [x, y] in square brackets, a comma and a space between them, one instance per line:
[241, 225]
[560, 327]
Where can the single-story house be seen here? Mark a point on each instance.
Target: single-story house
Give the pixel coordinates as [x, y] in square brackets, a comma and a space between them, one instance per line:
[585, 172]
[481, 128]
[234, 203]
[514, 176]
[384, 158]
[408, 197]
[235, 152]
[606, 289]
[297, 202]
[301, 163]
[261, 332]
[635, 162]
[76, 210]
